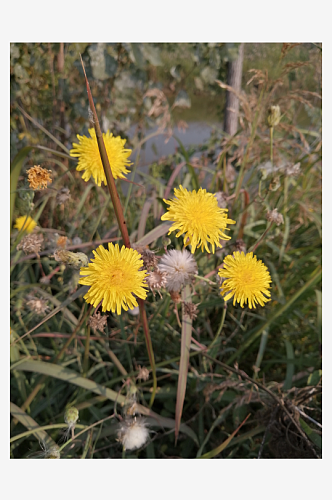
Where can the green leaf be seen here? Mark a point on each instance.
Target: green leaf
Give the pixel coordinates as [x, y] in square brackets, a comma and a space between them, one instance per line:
[312, 435]
[290, 366]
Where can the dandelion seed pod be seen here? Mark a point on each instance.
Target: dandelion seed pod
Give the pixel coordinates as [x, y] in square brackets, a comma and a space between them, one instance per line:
[71, 415]
[133, 434]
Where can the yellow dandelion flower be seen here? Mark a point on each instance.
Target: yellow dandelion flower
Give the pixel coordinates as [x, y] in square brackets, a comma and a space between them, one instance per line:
[115, 278]
[247, 279]
[25, 223]
[89, 157]
[38, 177]
[198, 217]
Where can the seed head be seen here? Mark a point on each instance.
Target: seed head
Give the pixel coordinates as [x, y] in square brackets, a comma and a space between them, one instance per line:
[190, 309]
[143, 373]
[98, 321]
[150, 261]
[179, 267]
[221, 199]
[156, 280]
[37, 305]
[31, 243]
[273, 116]
[133, 433]
[62, 196]
[274, 216]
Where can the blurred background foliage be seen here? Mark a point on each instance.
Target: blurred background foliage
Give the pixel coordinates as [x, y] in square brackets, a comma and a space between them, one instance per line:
[160, 88]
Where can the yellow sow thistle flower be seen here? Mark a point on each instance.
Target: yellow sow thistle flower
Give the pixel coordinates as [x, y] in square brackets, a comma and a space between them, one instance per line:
[88, 154]
[25, 223]
[114, 276]
[247, 279]
[198, 217]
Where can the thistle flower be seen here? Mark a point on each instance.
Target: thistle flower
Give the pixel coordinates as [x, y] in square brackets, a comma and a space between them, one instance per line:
[115, 278]
[98, 322]
[31, 243]
[89, 157]
[178, 266]
[198, 217]
[25, 223]
[133, 433]
[274, 216]
[247, 279]
[38, 177]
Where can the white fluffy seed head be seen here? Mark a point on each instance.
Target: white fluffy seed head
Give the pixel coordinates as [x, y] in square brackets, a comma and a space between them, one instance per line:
[133, 434]
[178, 266]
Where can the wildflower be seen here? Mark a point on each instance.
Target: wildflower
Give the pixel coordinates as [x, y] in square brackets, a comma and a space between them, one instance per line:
[89, 157]
[157, 280]
[62, 196]
[179, 268]
[133, 433]
[198, 217]
[25, 223]
[190, 310]
[74, 259]
[273, 116]
[143, 373]
[98, 322]
[274, 216]
[114, 276]
[38, 177]
[31, 243]
[247, 279]
[39, 306]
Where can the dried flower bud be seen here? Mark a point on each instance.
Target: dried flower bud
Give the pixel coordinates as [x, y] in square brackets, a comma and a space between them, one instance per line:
[62, 196]
[133, 434]
[190, 309]
[273, 116]
[274, 184]
[143, 373]
[71, 416]
[240, 246]
[293, 170]
[150, 261]
[31, 243]
[62, 241]
[39, 306]
[274, 216]
[166, 242]
[76, 260]
[221, 199]
[98, 321]
[38, 177]
[156, 280]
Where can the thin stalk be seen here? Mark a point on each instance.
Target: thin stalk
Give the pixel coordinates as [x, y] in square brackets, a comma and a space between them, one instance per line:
[260, 239]
[86, 351]
[121, 222]
[220, 327]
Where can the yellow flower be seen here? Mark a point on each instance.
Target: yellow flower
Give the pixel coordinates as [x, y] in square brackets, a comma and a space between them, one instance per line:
[25, 223]
[247, 279]
[198, 217]
[89, 157]
[38, 177]
[114, 276]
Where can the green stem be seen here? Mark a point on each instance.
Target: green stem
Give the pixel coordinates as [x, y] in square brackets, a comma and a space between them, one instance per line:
[220, 327]
[260, 239]
[86, 351]
[149, 349]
